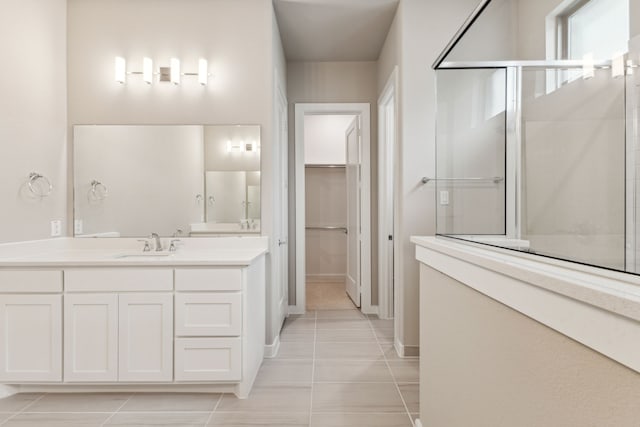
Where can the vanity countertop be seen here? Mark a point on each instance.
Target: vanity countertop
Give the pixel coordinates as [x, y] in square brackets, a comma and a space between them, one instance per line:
[124, 253]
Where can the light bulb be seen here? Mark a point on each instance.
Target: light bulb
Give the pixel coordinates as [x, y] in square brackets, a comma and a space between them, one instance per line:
[147, 70]
[175, 71]
[120, 69]
[203, 71]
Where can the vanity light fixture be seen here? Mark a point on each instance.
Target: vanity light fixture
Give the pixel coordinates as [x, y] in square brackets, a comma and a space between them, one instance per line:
[147, 70]
[171, 74]
[588, 66]
[121, 69]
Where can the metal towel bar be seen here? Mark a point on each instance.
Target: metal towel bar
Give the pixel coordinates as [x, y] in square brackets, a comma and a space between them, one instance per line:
[494, 179]
[328, 228]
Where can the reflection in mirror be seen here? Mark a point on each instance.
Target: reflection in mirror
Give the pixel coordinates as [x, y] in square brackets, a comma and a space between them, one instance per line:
[131, 181]
[232, 169]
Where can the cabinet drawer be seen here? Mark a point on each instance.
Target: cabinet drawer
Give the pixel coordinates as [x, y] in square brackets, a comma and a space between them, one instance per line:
[30, 281]
[209, 279]
[118, 280]
[208, 314]
[208, 359]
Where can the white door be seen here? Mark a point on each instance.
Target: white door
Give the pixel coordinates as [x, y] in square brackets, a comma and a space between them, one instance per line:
[31, 337]
[352, 137]
[91, 337]
[145, 337]
[282, 258]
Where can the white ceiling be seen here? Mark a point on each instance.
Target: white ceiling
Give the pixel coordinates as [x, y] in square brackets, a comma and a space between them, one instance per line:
[334, 30]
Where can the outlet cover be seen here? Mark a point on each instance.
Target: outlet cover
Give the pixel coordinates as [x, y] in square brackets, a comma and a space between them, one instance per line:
[56, 228]
[77, 226]
[444, 198]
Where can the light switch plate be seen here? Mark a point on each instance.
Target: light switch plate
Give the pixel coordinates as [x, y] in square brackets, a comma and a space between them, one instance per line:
[56, 228]
[444, 198]
[77, 226]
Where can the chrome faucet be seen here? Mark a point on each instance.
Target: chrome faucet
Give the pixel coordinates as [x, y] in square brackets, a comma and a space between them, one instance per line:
[158, 241]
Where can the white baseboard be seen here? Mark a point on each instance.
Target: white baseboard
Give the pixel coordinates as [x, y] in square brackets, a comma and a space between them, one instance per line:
[294, 309]
[325, 278]
[7, 390]
[271, 350]
[372, 309]
[406, 351]
[417, 423]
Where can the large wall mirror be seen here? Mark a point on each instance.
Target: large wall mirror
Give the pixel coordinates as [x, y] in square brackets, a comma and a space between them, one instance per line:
[131, 181]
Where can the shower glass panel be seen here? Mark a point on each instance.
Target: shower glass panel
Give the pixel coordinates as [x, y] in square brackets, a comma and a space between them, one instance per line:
[573, 166]
[538, 142]
[471, 151]
[566, 138]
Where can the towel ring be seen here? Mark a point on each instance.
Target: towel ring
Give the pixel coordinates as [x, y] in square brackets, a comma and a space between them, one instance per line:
[35, 177]
[98, 191]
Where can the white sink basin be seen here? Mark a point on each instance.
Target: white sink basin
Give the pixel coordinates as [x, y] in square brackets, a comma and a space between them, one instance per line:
[145, 255]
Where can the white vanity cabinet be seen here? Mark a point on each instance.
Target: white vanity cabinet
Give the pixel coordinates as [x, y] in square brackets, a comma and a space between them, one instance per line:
[208, 324]
[181, 322]
[118, 336]
[30, 326]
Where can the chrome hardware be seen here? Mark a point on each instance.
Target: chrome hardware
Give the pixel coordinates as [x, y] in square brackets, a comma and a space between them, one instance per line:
[172, 246]
[35, 177]
[281, 242]
[158, 242]
[494, 179]
[147, 247]
[178, 233]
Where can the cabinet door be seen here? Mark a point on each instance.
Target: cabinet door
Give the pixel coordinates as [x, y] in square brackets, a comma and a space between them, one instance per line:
[91, 337]
[145, 337]
[208, 359]
[30, 338]
[208, 314]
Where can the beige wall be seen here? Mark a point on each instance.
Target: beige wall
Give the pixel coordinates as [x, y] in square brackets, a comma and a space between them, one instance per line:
[418, 36]
[239, 38]
[486, 365]
[33, 115]
[336, 82]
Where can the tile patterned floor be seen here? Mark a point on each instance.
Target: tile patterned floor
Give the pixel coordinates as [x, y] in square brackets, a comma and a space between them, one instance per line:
[327, 295]
[336, 368]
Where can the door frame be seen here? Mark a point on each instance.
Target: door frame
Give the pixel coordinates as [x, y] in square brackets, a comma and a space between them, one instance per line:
[388, 137]
[357, 109]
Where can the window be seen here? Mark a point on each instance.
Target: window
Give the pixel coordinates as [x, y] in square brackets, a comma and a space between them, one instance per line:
[599, 27]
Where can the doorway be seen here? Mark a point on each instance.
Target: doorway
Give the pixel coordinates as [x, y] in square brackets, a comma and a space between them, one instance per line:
[354, 229]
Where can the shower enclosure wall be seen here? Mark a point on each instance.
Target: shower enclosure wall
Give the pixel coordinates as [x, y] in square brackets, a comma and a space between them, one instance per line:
[537, 150]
